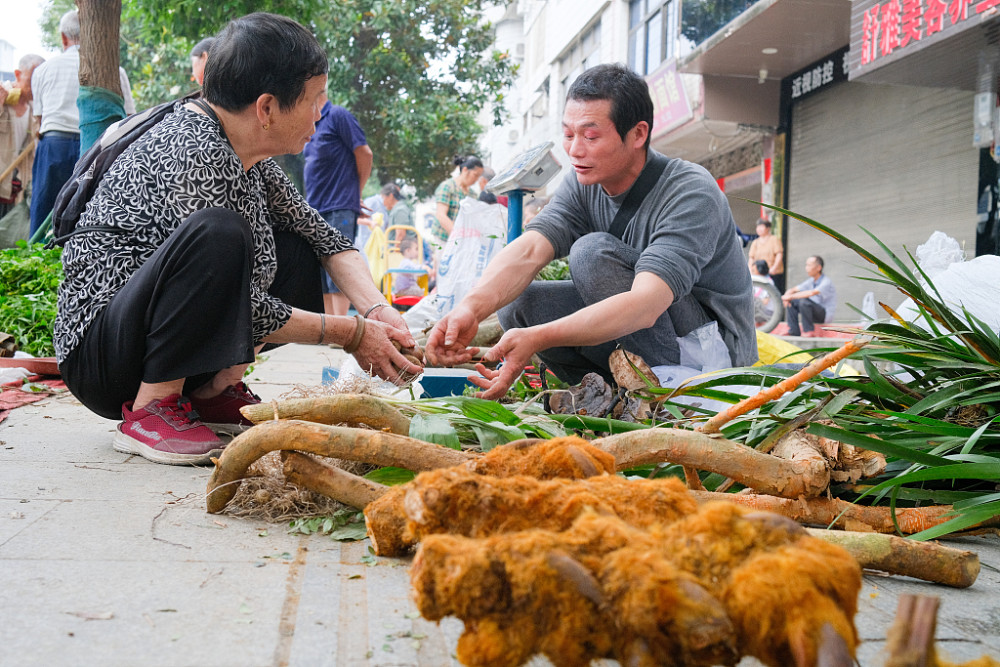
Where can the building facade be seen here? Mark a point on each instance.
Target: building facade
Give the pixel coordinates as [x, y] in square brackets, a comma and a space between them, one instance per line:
[858, 115]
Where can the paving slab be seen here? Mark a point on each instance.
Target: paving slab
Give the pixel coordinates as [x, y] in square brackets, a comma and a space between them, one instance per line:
[108, 559]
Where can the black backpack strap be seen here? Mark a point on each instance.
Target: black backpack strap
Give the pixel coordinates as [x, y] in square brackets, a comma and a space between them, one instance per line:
[647, 179]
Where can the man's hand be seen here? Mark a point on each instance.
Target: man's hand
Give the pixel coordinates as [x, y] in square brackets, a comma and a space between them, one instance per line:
[448, 340]
[513, 352]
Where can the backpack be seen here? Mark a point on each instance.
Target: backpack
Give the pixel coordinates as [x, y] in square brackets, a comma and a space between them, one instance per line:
[91, 167]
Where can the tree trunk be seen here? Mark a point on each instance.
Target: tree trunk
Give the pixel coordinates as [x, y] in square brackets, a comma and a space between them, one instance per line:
[99, 29]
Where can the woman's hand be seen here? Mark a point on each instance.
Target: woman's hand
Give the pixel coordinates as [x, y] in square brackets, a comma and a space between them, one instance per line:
[379, 356]
[390, 316]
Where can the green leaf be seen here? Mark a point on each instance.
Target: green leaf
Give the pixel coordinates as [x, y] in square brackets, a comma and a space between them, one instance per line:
[391, 476]
[436, 429]
[350, 532]
[487, 411]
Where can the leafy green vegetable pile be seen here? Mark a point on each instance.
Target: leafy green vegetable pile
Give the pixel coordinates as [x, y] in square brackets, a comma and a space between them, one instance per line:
[29, 278]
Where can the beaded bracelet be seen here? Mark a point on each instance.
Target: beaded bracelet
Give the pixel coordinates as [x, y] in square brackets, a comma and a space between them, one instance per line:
[359, 333]
[375, 307]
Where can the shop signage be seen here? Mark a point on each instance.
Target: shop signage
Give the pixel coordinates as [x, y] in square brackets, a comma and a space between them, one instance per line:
[820, 75]
[670, 102]
[883, 31]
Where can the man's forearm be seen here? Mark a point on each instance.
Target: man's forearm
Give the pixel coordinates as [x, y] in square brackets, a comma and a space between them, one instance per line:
[508, 274]
[601, 322]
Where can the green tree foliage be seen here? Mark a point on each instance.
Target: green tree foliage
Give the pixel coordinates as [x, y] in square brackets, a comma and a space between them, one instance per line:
[414, 72]
[157, 62]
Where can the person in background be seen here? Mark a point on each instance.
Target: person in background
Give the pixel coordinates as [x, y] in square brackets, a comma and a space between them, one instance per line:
[55, 86]
[195, 250]
[533, 208]
[15, 129]
[768, 247]
[449, 195]
[405, 284]
[399, 211]
[199, 56]
[338, 164]
[810, 302]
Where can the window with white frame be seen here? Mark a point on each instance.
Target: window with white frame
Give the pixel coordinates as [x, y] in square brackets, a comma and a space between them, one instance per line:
[652, 34]
[584, 53]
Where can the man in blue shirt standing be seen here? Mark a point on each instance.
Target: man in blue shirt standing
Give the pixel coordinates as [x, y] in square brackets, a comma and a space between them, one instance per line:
[811, 301]
[338, 164]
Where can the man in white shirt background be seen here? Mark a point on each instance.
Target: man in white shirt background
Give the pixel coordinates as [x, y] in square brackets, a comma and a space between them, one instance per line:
[55, 86]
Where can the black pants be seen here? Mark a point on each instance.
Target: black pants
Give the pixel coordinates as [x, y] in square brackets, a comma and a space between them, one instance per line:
[806, 311]
[602, 266]
[186, 312]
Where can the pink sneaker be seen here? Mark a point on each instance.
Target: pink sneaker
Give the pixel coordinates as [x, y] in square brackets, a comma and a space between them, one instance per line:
[166, 431]
[222, 412]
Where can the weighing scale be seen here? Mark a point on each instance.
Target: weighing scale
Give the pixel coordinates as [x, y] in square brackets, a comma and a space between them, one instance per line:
[528, 172]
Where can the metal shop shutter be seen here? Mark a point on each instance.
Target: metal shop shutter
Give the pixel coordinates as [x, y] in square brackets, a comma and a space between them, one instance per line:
[896, 160]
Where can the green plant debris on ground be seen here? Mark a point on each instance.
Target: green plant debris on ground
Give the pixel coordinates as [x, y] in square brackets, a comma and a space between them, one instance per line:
[346, 525]
[29, 279]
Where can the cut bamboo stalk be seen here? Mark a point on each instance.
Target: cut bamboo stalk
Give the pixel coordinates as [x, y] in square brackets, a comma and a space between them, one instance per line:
[339, 442]
[351, 409]
[331, 481]
[761, 472]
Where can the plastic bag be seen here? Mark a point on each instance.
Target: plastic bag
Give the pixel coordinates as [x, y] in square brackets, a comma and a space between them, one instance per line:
[704, 349]
[973, 285]
[938, 253]
[480, 233]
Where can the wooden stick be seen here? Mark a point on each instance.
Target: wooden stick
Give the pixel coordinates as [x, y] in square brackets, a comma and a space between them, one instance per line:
[384, 449]
[896, 555]
[910, 640]
[17, 161]
[714, 424]
[351, 409]
[761, 472]
[331, 481]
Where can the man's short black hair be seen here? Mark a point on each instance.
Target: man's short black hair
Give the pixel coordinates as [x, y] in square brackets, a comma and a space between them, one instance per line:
[392, 189]
[819, 260]
[202, 47]
[261, 54]
[627, 91]
[765, 222]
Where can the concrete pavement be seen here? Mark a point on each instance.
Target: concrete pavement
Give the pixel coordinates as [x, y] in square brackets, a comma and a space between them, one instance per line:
[108, 559]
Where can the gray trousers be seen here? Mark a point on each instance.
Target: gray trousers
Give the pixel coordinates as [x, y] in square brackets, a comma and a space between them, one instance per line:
[601, 266]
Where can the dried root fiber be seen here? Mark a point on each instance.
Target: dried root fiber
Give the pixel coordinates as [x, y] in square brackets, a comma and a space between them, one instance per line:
[712, 586]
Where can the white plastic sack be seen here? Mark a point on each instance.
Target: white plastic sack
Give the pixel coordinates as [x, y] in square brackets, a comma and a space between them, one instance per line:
[702, 351]
[480, 233]
[974, 285]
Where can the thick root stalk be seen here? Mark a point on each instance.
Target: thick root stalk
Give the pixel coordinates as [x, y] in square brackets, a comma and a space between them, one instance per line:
[842, 514]
[375, 447]
[896, 555]
[460, 502]
[761, 472]
[777, 391]
[350, 409]
[318, 477]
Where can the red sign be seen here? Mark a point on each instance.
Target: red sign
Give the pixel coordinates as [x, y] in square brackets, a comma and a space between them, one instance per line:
[890, 27]
[670, 103]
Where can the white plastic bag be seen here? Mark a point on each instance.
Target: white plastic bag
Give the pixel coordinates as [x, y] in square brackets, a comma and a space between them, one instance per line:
[973, 285]
[480, 233]
[704, 349]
